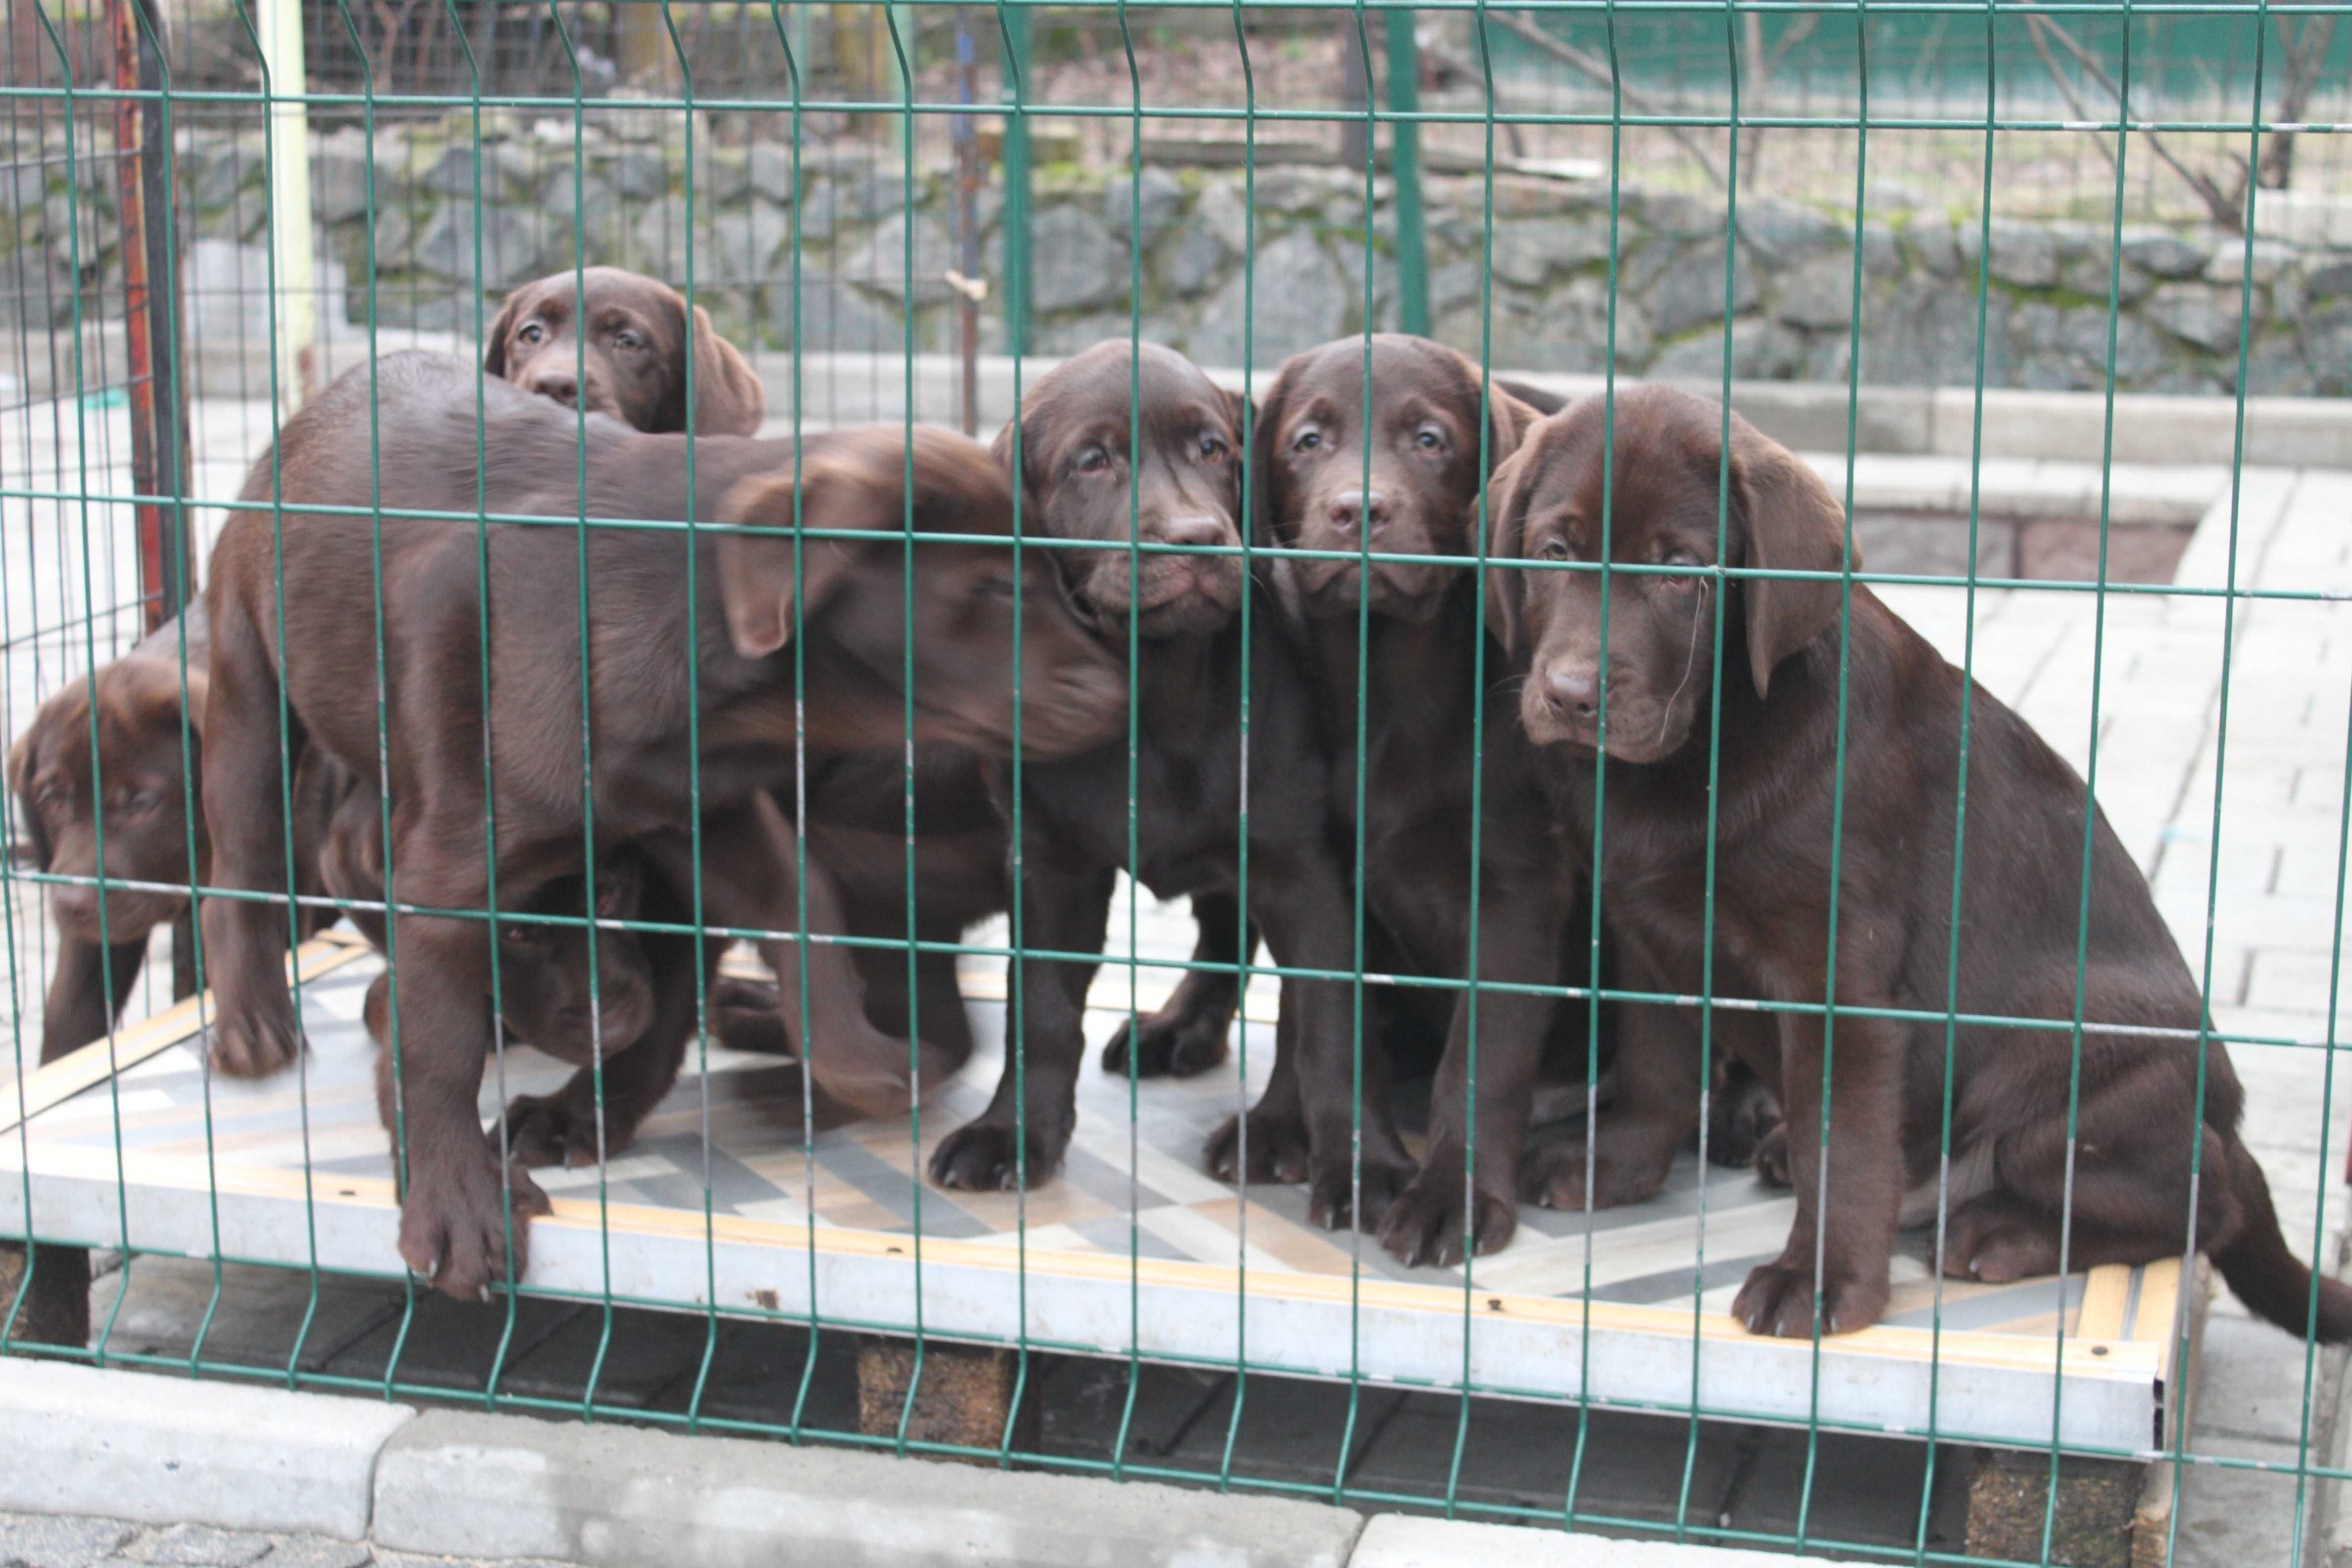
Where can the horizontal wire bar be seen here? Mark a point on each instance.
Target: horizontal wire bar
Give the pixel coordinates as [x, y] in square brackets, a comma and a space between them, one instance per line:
[1261, 551]
[1338, 115]
[1235, 967]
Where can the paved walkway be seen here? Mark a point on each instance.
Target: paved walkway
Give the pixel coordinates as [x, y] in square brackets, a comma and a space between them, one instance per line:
[49, 1540]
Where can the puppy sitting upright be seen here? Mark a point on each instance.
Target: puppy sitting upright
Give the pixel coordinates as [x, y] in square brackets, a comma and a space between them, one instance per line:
[615, 342]
[1406, 479]
[1643, 694]
[1096, 464]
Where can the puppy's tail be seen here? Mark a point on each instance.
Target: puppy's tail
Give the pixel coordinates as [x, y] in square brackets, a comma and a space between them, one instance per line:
[2264, 1273]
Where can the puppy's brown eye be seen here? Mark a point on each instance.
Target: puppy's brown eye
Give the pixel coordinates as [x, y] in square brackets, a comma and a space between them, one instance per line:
[1429, 438]
[1677, 581]
[629, 339]
[1308, 440]
[1093, 460]
[1213, 449]
[532, 333]
[1554, 549]
[999, 587]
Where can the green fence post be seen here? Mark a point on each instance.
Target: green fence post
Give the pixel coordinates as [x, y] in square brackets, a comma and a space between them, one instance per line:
[1405, 166]
[1017, 181]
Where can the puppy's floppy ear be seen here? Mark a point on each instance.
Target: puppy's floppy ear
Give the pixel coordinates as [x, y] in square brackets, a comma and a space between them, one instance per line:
[494, 336]
[1508, 420]
[1794, 523]
[1543, 401]
[1266, 498]
[756, 570]
[1507, 585]
[620, 886]
[20, 785]
[1016, 474]
[728, 399]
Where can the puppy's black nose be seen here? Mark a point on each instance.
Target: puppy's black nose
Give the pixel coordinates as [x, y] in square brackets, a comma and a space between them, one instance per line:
[560, 385]
[1574, 690]
[1355, 509]
[1192, 531]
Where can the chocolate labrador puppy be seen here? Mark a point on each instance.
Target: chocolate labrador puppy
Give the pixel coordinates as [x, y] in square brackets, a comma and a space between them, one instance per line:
[128, 788]
[551, 990]
[1408, 482]
[615, 342]
[1781, 850]
[132, 794]
[1094, 465]
[757, 583]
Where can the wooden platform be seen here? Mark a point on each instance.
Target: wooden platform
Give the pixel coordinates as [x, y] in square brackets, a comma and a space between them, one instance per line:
[1133, 1247]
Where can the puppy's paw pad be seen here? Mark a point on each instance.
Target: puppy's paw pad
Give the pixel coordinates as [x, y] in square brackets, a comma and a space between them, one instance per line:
[1335, 1196]
[1276, 1149]
[1425, 1226]
[453, 1229]
[1155, 1046]
[257, 1043]
[557, 1129]
[1778, 1301]
[985, 1157]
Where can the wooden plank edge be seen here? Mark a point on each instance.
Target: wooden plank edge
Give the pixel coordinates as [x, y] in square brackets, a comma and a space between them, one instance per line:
[54, 1083]
[2124, 1361]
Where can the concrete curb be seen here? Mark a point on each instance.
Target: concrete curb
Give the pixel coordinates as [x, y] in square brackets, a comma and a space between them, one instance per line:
[619, 1497]
[163, 1450]
[104, 1445]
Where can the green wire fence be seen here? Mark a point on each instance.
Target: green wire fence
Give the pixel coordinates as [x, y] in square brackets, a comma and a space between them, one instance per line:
[2057, 296]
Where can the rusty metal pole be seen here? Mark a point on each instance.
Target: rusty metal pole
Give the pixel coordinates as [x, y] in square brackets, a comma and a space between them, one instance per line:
[158, 433]
[159, 455]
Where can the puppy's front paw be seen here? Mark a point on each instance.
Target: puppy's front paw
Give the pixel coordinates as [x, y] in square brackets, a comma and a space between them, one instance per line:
[986, 1156]
[1777, 1299]
[558, 1129]
[1553, 1177]
[1425, 1224]
[453, 1224]
[258, 1039]
[1336, 1194]
[1160, 1045]
[748, 1017]
[1277, 1148]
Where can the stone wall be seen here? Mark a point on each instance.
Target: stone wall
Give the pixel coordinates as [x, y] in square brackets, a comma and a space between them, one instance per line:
[1791, 282]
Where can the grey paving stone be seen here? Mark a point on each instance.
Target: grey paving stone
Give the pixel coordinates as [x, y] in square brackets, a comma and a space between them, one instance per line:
[37, 1540]
[199, 1546]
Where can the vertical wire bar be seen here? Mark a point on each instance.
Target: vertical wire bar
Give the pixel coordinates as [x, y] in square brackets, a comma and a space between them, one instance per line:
[1960, 796]
[1404, 173]
[1363, 753]
[1400, 22]
[1013, 30]
[1243, 945]
[890, 16]
[799, 780]
[1838, 781]
[490, 798]
[1135, 242]
[1600, 754]
[2091, 810]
